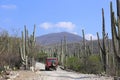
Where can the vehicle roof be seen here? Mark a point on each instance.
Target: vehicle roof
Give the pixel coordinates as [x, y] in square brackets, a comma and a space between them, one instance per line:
[51, 58]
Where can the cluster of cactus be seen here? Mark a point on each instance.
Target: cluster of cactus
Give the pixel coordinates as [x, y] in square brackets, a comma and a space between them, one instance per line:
[104, 45]
[26, 45]
[107, 57]
[59, 51]
[86, 51]
[115, 29]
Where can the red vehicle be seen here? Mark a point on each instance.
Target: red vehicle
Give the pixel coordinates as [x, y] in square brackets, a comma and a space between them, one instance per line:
[51, 64]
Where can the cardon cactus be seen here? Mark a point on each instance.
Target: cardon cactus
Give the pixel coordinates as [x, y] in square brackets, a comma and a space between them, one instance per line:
[26, 45]
[115, 29]
[103, 47]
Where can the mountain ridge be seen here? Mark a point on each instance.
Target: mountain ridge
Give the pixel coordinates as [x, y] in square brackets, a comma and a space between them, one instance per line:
[53, 38]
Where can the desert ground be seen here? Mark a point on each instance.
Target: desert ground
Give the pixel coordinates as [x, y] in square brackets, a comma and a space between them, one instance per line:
[59, 74]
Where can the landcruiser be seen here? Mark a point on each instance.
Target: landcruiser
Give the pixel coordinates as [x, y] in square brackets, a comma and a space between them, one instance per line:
[51, 64]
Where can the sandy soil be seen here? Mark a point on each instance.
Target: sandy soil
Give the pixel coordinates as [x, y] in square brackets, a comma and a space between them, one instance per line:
[56, 75]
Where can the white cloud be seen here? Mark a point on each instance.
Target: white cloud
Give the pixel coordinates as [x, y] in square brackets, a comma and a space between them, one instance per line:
[8, 6]
[87, 36]
[66, 25]
[46, 25]
[74, 33]
[61, 25]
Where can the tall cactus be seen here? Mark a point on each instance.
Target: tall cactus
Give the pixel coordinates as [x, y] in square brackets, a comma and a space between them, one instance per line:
[84, 42]
[103, 47]
[24, 56]
[84, 45]
[115, 29]
[26, 46]
[65, 45]
[91, 41]
[84, 56]
[86, 48]
[65, 51]
[62, 54]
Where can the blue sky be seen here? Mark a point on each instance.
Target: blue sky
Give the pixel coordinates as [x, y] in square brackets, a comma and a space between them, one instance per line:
[51, 16]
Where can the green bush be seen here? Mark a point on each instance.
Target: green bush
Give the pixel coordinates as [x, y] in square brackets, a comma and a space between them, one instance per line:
[91, 64]
[94, 64]
[71, 63]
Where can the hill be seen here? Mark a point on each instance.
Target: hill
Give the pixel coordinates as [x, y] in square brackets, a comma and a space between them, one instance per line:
[54, 38]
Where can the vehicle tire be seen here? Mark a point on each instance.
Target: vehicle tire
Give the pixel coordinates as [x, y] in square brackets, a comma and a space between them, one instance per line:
[46, 68]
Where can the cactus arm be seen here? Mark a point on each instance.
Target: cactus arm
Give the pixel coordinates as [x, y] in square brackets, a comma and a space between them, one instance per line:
[103, 32]
[23, 46]
[34, 33]
[113, 28]
[99, 43]
[21, 54]
[118, 8]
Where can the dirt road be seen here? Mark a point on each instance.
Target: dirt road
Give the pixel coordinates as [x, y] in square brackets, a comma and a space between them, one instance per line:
[56, 75]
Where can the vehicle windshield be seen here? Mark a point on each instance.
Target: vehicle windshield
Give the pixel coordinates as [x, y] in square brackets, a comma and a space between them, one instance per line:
[51, 60]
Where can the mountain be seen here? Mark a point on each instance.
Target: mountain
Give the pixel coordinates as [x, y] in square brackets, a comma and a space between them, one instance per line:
[54, 38]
